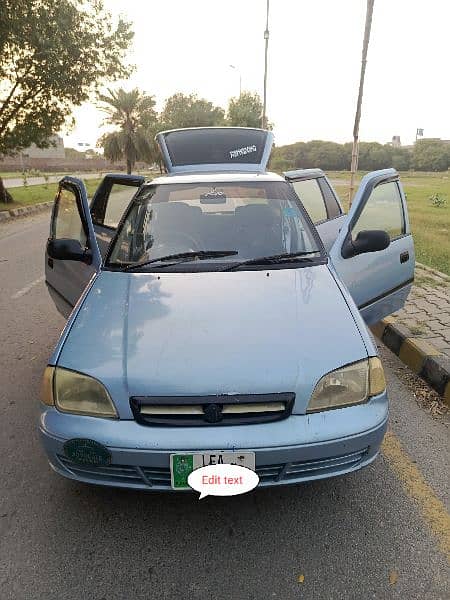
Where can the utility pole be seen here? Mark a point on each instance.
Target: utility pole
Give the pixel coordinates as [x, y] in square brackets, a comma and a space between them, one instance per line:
[266, 38]
[355, 149]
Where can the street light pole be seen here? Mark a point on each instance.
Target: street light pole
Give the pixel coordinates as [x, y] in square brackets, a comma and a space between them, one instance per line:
[266, 37]
[355, 149]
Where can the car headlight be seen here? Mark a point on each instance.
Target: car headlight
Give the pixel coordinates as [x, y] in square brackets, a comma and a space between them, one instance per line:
[349, 385]
[74, 392]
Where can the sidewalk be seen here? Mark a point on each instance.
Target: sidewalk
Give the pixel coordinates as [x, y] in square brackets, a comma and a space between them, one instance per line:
[427, 312]
[420, 333]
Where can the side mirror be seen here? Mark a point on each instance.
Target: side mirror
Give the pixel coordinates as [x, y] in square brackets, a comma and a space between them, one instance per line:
[371, 240]
[66, 249]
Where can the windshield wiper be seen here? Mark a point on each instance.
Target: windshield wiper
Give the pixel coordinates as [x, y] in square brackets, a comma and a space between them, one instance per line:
[182, 257]
[275, 258]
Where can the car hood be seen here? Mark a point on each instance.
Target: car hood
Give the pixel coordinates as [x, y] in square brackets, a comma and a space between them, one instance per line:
[245, 332]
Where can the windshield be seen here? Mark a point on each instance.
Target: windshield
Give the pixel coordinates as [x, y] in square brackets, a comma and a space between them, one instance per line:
[246, 220]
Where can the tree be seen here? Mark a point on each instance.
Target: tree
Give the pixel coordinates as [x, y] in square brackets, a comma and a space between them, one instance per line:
[134, 113]
[316, 153]
[5, 196]
[245, 111]
[53, 55]
[431, 155]
[336, 157]
[326, 155]
[182, 110]
[401, 159]
[373, 156]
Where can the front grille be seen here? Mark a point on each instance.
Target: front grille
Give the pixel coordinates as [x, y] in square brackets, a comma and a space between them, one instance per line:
[159, 477]
[188, 411]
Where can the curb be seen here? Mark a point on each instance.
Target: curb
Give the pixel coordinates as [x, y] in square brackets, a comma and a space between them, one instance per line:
[420, 356]
[6, 215]
[433, 271]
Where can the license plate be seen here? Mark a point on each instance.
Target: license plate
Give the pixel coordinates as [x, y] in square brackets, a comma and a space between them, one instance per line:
[182, 465]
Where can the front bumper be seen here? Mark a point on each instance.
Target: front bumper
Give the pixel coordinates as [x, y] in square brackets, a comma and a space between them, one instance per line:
[300, 448]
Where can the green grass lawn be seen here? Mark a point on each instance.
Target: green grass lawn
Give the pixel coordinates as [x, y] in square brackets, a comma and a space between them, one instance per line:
[19, 174]
[34, 194]
[430, 225]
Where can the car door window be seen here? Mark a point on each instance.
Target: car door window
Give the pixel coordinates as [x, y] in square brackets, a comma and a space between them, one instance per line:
[383, 210]
[333, 208]
[112, 198]
[310, 194]
[66, 219]
[118, 200]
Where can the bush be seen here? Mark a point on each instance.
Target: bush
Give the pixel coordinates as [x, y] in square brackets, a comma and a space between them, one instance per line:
[438, 201]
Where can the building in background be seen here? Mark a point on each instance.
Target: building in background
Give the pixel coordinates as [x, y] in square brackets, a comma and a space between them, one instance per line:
[53, 151]
[57, 158]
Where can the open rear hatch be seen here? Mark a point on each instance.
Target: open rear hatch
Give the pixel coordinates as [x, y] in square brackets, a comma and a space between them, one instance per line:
[215, 149]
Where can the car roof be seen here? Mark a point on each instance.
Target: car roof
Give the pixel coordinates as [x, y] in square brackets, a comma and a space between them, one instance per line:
[216, 178]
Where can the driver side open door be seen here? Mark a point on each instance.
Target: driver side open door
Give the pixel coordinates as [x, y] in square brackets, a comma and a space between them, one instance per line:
[72, 255]
[378, 279]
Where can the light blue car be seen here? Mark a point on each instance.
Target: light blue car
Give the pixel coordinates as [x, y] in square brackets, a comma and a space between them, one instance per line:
[219, 314]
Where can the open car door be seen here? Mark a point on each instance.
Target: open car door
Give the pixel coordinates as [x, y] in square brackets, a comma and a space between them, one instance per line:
[109, 203]
[374, 250]
[320, 202]
[72, 256]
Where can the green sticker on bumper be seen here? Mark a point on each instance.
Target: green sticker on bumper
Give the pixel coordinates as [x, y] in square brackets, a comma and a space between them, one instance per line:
[87, 452]
[182, 467]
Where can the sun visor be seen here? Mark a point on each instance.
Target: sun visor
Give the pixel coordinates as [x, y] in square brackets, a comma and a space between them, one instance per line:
[215, 149]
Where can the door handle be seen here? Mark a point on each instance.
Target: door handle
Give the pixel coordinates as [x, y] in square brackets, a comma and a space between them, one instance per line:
[404, 257]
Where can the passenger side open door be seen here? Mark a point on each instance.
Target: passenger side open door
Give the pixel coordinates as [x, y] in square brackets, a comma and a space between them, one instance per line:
[320, 201]
[72, 256]
[374, 251]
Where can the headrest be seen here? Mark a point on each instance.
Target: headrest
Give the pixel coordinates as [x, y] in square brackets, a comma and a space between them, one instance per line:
[262, 214]
[169, 210]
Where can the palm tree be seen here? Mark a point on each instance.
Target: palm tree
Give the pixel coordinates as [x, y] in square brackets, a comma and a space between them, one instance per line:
[134, 115]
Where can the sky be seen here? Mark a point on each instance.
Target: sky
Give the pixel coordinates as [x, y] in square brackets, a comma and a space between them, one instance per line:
[313, 69]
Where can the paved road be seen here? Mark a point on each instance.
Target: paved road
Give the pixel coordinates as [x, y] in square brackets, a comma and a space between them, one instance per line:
[379, 533]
